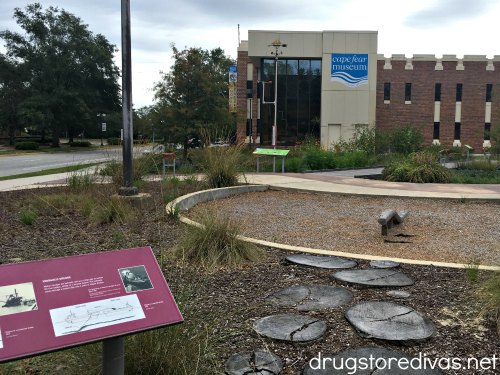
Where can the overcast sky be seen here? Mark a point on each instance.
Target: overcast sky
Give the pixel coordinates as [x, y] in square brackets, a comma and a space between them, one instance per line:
[461, 27]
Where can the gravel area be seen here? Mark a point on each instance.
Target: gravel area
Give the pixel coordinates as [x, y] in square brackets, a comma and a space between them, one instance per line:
[436, 230]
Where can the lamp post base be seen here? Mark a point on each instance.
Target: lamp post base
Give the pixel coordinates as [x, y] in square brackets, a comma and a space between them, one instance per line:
[128, 191]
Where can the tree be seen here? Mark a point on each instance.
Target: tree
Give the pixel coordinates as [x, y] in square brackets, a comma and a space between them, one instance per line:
[12, 91]
[194, 94]
[70, 73]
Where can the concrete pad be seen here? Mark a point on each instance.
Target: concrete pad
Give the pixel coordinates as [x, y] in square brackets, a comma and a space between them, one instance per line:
[290, 328]
[374, 278]
[318, 261]
[312, 297]
[390, 321]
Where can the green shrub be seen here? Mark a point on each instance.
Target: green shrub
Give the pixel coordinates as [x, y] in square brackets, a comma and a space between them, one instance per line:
[421, 167]
[28, 216]
[114, 141]
[26, 145]
[475, 177]
[406, 140]
[216, 244]
[294, 165]
[80, 144]
[482, 164]
[353, 159]
[316, 158]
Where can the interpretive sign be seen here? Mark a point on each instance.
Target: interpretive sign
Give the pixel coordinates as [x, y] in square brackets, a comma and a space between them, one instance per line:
[271, 152]
[274, 153]
[351, 69]
[57, 303]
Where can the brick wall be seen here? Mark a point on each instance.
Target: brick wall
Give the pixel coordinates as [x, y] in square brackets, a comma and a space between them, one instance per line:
[420, 113]
[243, 61]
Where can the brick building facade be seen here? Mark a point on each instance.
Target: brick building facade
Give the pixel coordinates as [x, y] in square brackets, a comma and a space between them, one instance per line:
[453, 101]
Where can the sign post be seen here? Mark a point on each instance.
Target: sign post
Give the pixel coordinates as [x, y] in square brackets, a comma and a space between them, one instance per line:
[113, 356]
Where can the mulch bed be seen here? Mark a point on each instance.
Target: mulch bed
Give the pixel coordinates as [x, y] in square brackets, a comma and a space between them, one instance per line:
[232, 300]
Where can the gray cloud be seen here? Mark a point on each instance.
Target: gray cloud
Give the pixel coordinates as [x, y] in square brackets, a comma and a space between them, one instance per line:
[444, 12]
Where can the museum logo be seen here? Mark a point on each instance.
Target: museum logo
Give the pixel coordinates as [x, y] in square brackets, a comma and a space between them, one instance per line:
[350, 69]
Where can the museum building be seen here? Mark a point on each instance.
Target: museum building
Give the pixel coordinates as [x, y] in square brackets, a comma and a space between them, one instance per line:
[332, 82]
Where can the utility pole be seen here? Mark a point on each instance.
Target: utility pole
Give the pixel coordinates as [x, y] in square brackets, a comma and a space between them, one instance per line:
[128, 134]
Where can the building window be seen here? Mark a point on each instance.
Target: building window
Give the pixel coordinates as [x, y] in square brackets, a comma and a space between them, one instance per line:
[299, 100]
[489, 90]
[436, 131]
[487, 131]
[387, 92]
[437, 93]
[249, 89]
[459, 93]
[457, 131]
[407, 93]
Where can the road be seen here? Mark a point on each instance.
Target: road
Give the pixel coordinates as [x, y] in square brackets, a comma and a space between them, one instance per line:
[33, 162]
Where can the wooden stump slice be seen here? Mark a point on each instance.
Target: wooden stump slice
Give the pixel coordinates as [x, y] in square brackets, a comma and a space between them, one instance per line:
[380, 365]
[390, 321]
[384, 264]
[374, 278]
[312, 297]
[290, 328]
[319, 261]
[256, 362]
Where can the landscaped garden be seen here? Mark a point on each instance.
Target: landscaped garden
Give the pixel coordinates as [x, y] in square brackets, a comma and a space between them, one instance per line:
[223, 286]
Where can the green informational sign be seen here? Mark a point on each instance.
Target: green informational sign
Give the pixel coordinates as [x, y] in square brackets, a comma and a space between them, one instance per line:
[270, 152]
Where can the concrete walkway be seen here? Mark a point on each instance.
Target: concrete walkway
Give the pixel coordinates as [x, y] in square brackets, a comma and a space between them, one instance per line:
[332, 183]
[342, 182]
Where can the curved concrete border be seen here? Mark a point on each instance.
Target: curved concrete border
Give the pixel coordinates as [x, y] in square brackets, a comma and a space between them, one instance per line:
[186, 202]
[189, 200]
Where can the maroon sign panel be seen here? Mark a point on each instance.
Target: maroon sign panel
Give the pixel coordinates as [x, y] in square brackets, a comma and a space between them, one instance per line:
[57, 303]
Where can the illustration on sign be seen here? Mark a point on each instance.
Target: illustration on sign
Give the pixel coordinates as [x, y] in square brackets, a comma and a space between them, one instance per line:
[92, 315]
[17, 298]
[350, 69]
[135, 278]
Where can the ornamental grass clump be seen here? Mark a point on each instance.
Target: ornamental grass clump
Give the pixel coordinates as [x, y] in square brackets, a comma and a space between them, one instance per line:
[222, 166]
[420, 167]
[215, 244]
[491, 298]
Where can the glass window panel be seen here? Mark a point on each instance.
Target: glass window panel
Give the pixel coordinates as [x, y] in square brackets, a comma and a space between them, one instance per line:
[316, 67]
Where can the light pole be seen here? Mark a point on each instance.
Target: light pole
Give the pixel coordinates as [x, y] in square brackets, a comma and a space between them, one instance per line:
[128, 188]
[102, 124]
[277, 45]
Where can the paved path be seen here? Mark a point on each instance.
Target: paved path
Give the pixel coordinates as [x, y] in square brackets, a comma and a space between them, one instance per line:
[324, 182]
[329, 182]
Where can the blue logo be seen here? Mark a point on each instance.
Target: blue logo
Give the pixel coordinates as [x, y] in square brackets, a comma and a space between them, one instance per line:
[351, 69]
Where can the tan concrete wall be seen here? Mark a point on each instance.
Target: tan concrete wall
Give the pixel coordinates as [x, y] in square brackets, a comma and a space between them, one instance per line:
[341, 104]
[299, 43]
